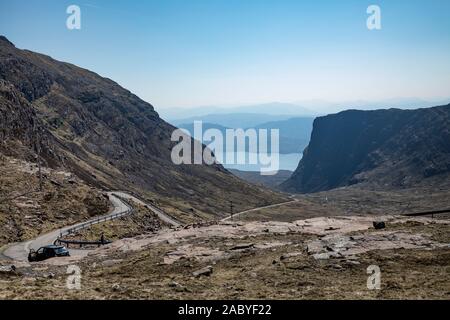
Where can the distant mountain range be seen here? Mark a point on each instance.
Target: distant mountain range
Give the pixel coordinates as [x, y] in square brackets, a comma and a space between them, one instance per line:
[294, 132]
[304, 108]
[176, 115]
[384, 149]
[232, 120]
[322, 107]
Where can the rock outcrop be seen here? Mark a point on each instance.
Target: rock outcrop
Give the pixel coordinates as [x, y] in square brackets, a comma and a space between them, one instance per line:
[382, 149]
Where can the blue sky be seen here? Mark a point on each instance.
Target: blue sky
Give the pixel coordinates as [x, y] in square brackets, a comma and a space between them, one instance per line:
[185, 53]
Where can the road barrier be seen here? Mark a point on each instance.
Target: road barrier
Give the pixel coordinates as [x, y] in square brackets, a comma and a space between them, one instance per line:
[80, 243]
[90, 223]
[427, 213]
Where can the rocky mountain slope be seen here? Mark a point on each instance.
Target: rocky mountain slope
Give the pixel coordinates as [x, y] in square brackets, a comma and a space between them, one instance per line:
[381, 149]
[107, 136]
[26, 212]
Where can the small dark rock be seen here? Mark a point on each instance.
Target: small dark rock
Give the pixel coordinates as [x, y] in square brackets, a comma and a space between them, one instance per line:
[242, 246]
[206, 271]
[56, 183]
[8, 269]
[116, 287]
[379, 225]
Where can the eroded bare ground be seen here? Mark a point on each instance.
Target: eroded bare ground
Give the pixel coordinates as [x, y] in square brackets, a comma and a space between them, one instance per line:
[357, 201]
[314, 258]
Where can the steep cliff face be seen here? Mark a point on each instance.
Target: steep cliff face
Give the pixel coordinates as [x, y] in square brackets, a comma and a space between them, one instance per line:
[105, 134]
[382, 148]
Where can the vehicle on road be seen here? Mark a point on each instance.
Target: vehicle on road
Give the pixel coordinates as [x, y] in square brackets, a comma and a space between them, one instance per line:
[48, 252]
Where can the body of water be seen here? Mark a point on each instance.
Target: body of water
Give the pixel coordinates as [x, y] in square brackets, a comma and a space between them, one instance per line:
[286, 162]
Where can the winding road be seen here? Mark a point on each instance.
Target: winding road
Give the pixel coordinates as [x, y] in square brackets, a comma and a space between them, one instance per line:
[161, 215]
[19, 251]
[260, 208]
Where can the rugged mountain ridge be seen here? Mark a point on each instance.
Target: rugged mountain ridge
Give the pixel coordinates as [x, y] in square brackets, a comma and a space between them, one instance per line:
[382, 149]
[106, 135]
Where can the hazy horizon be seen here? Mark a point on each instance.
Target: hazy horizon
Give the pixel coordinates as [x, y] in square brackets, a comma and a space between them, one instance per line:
[175, 53]
[298, 108]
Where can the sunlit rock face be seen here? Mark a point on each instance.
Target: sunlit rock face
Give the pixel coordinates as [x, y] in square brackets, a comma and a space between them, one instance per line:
[383, 148]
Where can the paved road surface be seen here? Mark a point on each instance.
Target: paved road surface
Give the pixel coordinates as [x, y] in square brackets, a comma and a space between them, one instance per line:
[161, 215]
[19, 251]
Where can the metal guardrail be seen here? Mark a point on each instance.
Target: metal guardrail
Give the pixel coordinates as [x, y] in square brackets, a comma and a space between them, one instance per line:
[80, 242]
[426, 213]
[90, 223]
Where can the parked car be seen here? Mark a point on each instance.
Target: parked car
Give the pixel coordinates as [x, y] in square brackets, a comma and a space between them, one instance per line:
[48, 252]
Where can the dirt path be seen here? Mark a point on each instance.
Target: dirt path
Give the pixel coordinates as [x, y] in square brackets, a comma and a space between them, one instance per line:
[259, 208]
